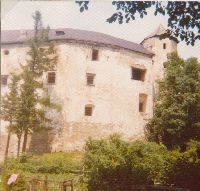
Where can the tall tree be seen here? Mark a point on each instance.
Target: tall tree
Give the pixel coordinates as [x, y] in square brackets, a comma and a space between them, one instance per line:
[183, 21]
[42, 57]
[9, 108]
[177, 109]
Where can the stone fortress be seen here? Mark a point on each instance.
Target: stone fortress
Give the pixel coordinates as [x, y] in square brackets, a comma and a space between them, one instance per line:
[104, 84]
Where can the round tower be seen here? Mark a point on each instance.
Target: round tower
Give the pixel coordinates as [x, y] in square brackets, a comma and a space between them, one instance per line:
[160, 48]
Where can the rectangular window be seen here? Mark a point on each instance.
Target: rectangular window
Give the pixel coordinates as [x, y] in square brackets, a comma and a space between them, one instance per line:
[164, 46]
[138, 74]
[51, 78]
[60, 33]
[90, 79]
[142, 103]
[88, 110]
[95, 54]
[4, 80]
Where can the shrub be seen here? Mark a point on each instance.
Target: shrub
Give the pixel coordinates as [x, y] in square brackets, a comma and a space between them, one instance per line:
[183, 169]
[114, 164]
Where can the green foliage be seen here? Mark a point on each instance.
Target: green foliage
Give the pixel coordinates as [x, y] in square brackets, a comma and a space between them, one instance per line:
[183, 169]
[42, 56]
[177, 109]
[183, 21]
[114, 164]
[10, 108]
[9, 101]
[19, 185]
[52, 163]
[58, 167]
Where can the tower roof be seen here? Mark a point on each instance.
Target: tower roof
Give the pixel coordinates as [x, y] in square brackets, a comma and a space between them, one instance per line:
[156, 33]
[159, 31]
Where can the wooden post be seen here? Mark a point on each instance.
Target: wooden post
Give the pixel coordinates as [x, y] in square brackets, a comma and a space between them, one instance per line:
[64, 187]
[32, 185]
[72, 185]
[45, 184]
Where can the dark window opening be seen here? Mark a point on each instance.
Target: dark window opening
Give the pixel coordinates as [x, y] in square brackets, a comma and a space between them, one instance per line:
[90, 79]
[59, 33]
[4, 80]
[164, 46]
[51, 77]
[41, 49]
[95, 54]
[88, 110]
[142, 102]
[6, 52]
[138, 74]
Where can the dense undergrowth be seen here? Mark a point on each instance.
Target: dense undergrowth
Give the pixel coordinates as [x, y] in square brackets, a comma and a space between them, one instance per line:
[109, 165]
[57, 167]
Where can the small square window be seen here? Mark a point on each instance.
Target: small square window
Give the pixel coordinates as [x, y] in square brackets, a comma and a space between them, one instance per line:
[90, 79]
[95, 54]
[51, 78]
[4, 80]
[142, 103]
[138, 74]
[6, 52]
[88, 110]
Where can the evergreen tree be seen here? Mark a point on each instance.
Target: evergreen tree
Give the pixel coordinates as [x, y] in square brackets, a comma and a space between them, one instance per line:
[42, 57]
[177, 109]
[9, 108]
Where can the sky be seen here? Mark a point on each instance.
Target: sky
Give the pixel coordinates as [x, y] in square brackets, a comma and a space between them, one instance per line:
[66, 14]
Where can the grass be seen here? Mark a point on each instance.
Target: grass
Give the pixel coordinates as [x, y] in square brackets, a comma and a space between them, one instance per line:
[57, 167]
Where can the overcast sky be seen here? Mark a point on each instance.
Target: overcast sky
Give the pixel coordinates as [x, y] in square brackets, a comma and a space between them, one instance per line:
[62, 14]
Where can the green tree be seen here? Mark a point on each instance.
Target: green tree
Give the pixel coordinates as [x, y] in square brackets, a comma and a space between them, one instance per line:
[114, 164]
[42, 57]
[183, 168]
[183, 20]
[9, 108]
[176, 118]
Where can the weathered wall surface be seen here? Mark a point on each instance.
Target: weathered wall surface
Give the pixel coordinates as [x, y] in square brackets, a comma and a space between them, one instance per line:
[115, 96]
[156, 45]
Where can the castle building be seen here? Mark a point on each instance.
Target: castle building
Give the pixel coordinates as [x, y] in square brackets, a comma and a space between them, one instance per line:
[104, 84]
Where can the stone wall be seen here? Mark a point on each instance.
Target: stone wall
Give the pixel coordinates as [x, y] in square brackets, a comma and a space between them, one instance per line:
[115, 96]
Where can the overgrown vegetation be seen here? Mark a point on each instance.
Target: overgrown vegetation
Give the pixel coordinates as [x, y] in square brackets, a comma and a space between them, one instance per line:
[176, 117]
[114, 164]
[57, 167]
[118, 165]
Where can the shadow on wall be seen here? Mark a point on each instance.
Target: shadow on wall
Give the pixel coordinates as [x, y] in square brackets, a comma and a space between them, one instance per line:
[42, 141]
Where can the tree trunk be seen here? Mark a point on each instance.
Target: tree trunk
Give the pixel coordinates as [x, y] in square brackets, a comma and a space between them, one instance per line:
[18, 146]
[7, 145]
[25, 141]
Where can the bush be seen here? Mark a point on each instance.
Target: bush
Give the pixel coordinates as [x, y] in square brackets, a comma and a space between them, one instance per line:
[114, 164]
[183, 169]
